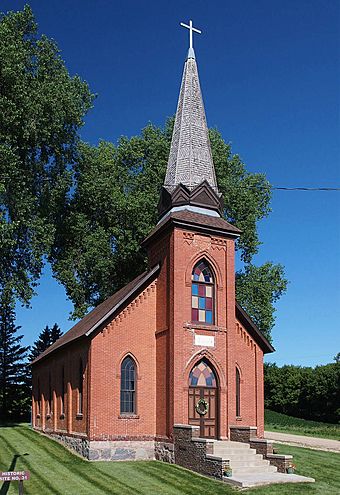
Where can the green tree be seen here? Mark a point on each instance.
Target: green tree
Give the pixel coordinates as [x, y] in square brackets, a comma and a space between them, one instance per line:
[41, 110]
[14, 388]
[304, 392]
[257, 289]
[114, 207]
[46, 338]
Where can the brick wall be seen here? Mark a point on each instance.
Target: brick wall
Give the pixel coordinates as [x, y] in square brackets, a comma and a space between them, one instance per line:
[55, 410]
[132, 332]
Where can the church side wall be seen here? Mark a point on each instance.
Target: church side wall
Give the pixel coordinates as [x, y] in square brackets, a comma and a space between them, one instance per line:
[246, 355]
[55, 411]
[131, 332]
[160, 252]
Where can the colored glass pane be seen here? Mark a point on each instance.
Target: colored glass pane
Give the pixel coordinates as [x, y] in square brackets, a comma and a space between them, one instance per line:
[194, 290]
[201, 302]
[202, 376]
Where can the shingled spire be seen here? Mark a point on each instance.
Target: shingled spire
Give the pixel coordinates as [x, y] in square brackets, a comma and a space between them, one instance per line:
[190, 176]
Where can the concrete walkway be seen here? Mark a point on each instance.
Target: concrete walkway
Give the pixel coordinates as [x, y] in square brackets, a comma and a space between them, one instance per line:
[247, 481]
[303, 441]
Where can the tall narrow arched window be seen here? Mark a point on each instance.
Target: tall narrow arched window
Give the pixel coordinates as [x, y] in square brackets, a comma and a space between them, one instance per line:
[128, 386]
[38, 399]
[62, 395]
[202, 294]
[238, 393]
[49, 402]
[80, 387]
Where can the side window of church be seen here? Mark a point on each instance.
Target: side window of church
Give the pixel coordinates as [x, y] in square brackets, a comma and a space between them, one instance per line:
[62, 395]
[202, 294]
[80, 387]
[128, 386]
[238, 393]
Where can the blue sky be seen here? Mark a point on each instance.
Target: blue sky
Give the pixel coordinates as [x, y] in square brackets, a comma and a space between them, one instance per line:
[269, 73]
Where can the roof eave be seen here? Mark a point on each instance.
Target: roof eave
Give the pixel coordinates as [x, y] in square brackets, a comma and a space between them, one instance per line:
[126, 298]
[96, 325]
[256, 333]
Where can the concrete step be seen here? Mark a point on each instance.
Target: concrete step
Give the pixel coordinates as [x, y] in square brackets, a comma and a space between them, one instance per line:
[233, 452]
[254, 470]
[230, 443]
[240, 457]
[224, 450]
[248, 463]
[258, 479]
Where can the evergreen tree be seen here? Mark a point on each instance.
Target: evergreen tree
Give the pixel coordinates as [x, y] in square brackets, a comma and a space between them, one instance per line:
[46, 338]
[14, 387]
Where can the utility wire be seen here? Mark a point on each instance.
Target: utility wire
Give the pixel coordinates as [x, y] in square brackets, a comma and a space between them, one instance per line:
[278, 188]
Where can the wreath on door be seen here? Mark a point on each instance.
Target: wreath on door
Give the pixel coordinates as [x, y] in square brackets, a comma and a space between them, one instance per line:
[202, 407]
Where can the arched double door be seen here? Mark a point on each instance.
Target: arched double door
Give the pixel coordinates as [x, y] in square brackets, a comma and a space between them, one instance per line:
[203, 399]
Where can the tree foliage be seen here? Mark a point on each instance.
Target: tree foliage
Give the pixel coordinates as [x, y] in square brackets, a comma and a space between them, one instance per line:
[46, 338]
[41, 109]
[304, 392]
[257, 289]
[14, 385]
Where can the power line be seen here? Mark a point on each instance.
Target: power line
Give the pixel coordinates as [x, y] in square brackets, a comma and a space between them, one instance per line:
[279, 188]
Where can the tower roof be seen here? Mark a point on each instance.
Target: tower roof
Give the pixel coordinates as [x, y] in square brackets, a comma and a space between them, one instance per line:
[190, 161]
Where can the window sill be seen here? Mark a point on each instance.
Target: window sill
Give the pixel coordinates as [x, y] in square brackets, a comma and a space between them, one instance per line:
[79, 416]
[203, 326]
[128, 416]
[238, 418]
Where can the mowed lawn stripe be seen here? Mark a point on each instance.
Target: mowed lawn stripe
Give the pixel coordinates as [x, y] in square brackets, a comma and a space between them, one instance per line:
[23, 464]
[71, 466]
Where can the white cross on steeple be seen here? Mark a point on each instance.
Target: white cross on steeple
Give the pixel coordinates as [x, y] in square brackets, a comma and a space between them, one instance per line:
[191, 29]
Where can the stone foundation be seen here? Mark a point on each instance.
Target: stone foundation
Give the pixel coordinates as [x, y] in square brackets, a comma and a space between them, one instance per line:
[122, 450]
[164, 452]
[282, 462]
[78, 444]
[195, 453]
[118, 450]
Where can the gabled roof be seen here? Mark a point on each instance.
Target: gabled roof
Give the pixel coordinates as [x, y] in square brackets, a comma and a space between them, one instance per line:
[250, 326]
[99, 314]
[201, 223]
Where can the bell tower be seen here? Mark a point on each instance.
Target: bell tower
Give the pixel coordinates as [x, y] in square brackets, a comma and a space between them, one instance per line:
[194, 247]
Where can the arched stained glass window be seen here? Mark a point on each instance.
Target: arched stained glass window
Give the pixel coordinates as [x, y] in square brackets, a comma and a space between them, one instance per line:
[202, 376]
[202, 294]
[128, 386]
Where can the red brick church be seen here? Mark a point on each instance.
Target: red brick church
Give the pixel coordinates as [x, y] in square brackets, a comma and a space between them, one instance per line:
[173, 347]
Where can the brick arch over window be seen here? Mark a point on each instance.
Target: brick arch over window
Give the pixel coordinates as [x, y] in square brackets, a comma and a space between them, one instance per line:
[203, 293]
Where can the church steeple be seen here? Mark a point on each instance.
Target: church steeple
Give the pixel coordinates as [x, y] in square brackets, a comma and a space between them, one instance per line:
[190, 176]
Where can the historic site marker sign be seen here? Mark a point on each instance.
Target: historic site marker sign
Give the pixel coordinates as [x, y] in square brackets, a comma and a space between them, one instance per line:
[20, 476]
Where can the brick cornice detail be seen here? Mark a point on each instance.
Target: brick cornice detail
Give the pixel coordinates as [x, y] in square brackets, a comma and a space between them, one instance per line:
[130, 307]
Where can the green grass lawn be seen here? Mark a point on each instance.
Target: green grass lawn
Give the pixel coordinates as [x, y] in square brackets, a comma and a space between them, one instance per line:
[287, 424]
[55, 470]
